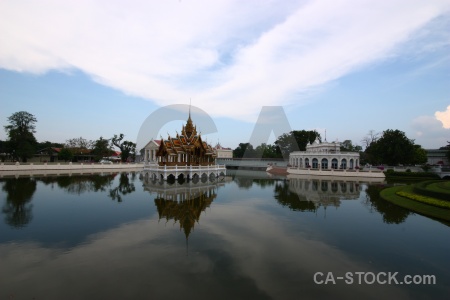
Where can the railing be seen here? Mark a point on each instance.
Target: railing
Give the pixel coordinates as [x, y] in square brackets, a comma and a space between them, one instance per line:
[182, 167]
[338, 170]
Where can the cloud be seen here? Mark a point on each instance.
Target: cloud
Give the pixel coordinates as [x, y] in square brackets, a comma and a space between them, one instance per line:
[429, 132]
[230, 57]
[444, 117]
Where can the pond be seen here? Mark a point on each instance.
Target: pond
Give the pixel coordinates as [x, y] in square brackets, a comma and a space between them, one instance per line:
[245, 236]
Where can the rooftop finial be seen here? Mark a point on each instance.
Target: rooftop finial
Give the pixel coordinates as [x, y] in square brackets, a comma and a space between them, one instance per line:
[189, 108]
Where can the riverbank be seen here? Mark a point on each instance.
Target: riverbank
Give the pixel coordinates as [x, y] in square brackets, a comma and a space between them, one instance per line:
[18, 169]
[410, 197]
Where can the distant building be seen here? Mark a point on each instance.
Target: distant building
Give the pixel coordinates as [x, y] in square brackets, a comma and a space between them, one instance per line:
[437, 157]
[222, 152]
[150, 150]
[324, 156]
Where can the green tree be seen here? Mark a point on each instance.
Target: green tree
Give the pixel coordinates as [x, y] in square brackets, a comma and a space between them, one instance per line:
[65, 154]
[101, 148]
[392, 148]
[244, 149]
[47, 144]
[127, 148]
[347, 145]
[296, 140]
[268, 151]
[420, 155]
[4, 150]
[21, 134]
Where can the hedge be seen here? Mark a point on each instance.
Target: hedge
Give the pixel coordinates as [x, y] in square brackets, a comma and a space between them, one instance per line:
[431, 188]
[425, 199]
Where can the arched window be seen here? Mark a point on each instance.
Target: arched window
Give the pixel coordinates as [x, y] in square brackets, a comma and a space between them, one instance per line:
[334, 163]
[315, 163]
[324, 163]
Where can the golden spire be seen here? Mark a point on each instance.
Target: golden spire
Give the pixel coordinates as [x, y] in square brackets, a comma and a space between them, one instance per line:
[190, 129]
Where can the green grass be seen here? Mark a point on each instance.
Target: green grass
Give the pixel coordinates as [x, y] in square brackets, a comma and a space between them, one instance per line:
[433, 188]
[442, 187]
[390, 194]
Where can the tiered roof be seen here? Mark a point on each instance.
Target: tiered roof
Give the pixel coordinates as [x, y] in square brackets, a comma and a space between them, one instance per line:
[188, 142]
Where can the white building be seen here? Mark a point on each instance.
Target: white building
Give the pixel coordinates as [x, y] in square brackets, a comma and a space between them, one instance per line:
[150, 151]
[324, 156]
[222, 152]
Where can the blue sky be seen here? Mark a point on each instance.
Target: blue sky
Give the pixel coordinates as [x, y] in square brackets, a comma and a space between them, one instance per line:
[99, 68]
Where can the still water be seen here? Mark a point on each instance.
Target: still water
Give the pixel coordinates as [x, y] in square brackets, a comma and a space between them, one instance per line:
[245, 236]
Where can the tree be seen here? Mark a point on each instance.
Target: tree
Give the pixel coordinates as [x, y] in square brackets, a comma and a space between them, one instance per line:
[392, 148]
[370, 138]
[268, 151]
[420, 155]
[347, 145]
[65, 154]
[79, 143]
[4, 150]
[244, 148]
[127, 148]
[21, 134]
[101, 148]
[296, 140]
[47, 144]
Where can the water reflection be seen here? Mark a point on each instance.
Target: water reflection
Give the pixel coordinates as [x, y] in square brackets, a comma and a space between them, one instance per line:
[17, 207]
[183, 201]
[19, 191]
[80, 184]
[392, 214]
[307, 194]
[125, 187]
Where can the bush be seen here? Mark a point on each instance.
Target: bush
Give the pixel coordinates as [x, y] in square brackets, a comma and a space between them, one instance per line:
[425, 189]
[392, 173]
[425, 199]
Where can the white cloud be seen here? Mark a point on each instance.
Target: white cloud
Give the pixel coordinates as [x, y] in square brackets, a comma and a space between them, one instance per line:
[444, 117]
[230, 57]
[429, 133]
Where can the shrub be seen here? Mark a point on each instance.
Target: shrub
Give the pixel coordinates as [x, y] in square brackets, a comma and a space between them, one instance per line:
[425, 199]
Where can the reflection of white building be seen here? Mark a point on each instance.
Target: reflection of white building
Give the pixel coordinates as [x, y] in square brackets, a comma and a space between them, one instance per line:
[324, 192]
[324, 156]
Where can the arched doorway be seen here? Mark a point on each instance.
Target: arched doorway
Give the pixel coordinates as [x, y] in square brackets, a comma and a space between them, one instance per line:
[315, 163]
[334, 163]
[344, 164]
[324, 163]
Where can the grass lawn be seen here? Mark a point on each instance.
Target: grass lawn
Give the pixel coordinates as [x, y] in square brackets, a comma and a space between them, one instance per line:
[441, 187]
[390, 195]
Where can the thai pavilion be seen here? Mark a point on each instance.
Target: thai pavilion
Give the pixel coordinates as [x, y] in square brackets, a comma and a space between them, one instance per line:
[324, 156]
[185, 155]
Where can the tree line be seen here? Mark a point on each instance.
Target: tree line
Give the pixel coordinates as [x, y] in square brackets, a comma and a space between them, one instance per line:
[21, 144]
[390, 147]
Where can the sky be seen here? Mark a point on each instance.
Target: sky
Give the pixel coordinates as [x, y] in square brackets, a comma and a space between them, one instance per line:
[98, 68]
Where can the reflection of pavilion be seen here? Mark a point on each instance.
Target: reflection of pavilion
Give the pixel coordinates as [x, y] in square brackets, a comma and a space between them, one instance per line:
[324, 192]
[182, 202]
